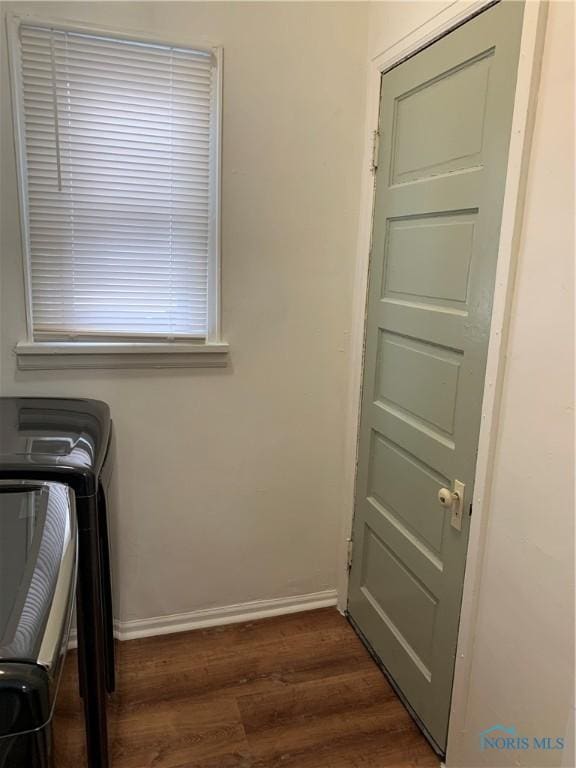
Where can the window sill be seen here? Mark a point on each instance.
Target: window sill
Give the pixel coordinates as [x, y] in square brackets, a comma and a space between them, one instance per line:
[56, 355]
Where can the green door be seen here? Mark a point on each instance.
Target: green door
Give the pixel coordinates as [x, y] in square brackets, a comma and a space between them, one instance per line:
[445, 121]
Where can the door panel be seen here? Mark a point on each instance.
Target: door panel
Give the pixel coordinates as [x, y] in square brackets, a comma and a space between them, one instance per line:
[445, 126]
[418, 377]
[403, 598]
[456, 137]
[428, 258]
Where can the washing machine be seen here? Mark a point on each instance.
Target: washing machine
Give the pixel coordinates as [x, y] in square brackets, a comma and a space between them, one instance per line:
[38, 566]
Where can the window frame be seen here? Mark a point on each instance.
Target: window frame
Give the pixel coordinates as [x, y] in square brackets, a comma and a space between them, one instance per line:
[113, 351]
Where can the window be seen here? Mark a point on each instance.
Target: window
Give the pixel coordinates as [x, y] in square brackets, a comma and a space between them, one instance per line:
[119, 145]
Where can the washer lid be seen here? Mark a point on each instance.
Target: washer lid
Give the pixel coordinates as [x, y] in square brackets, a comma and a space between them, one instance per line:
[37, 569]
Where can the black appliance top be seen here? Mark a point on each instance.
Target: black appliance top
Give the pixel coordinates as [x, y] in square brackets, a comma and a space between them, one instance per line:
[54, 438]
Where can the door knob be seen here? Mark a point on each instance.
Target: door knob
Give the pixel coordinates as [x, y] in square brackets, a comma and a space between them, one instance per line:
[453, 499]
[446, 497]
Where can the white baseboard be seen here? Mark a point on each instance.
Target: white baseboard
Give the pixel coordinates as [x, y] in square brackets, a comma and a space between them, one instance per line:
[213, 617]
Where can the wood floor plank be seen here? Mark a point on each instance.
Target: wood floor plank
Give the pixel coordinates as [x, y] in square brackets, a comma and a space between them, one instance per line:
[194, 731]
[337, 719]
[297, 691]
[237, 659]
[276, 665]
[339, 695]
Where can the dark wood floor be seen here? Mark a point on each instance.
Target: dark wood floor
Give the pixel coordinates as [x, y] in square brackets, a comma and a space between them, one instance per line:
[295, 691]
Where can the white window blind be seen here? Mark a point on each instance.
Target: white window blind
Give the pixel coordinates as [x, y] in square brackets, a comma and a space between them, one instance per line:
[119, 163]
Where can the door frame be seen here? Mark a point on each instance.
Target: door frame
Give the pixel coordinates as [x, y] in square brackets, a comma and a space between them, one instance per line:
[531, 46]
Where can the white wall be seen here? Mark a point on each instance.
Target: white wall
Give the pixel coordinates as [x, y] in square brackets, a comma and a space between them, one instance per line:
[522, 665]
[229, 479]
[391, 21]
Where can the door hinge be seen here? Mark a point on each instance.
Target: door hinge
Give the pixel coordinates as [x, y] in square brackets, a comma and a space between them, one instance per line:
[470, 510]
[375, 150]
[349, 554]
